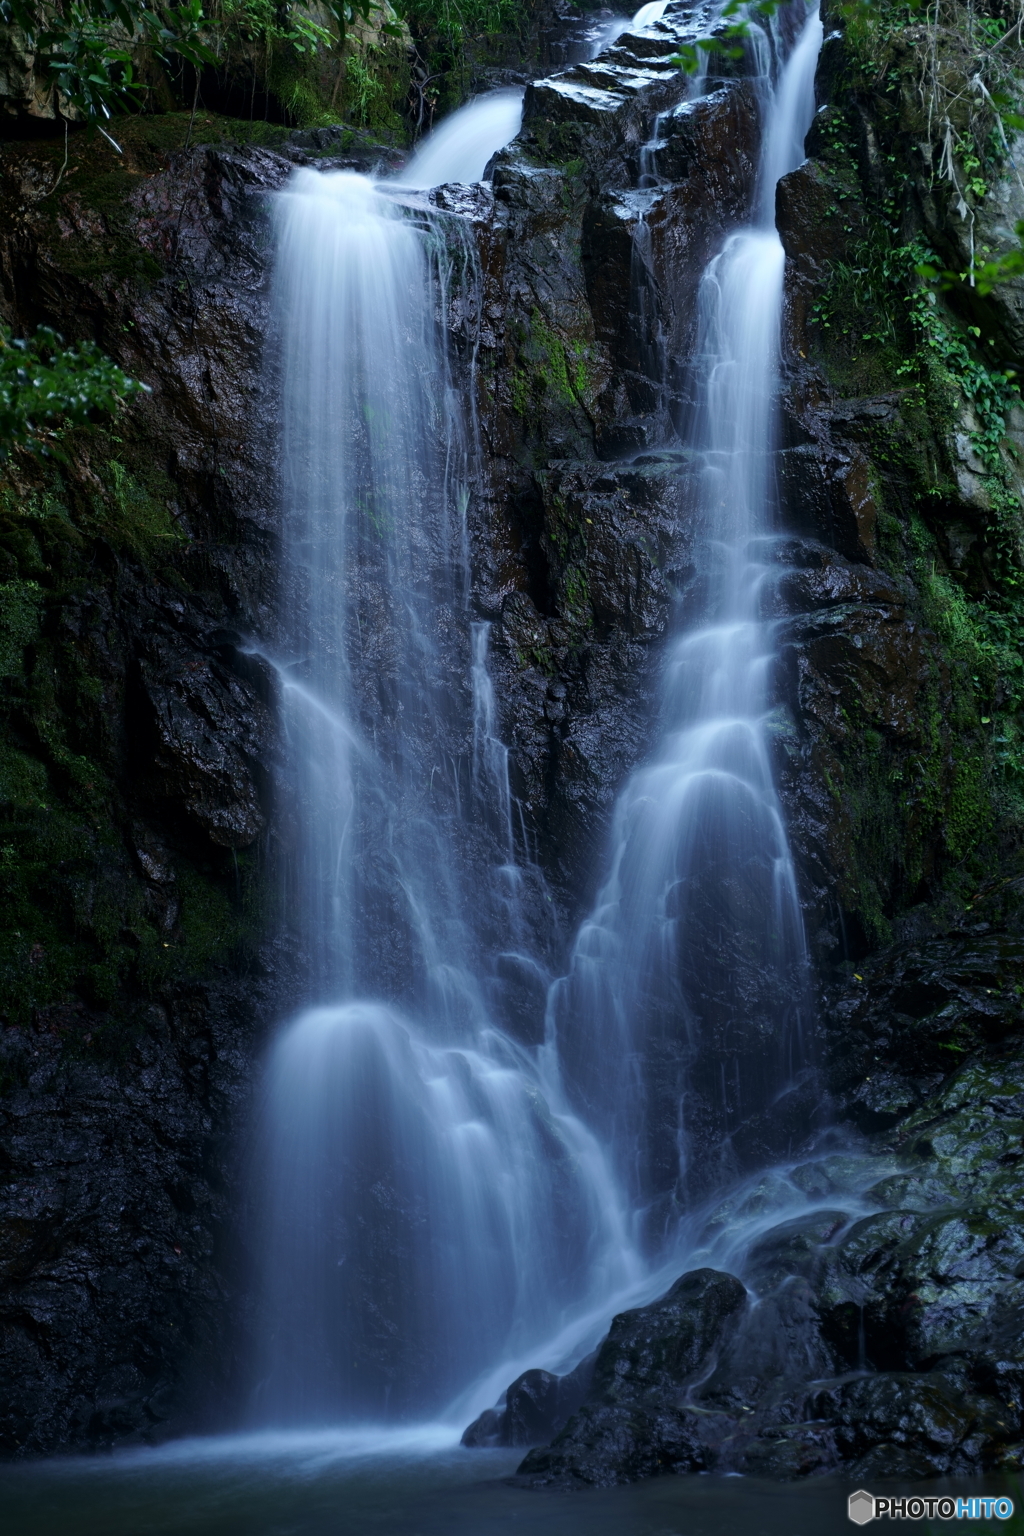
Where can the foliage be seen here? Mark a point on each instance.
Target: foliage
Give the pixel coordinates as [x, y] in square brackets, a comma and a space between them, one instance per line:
[986, 271]
[965, 79]
[894, 325]
[91, 45]
[261, 21]
[740, 17]
[20, 603]
[457, 21]
[969, 108]
[444, 32]
[46, 388]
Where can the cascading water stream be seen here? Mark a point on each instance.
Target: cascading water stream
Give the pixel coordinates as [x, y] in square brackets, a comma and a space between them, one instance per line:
[690, 974]
[460, 147]
[427, 1209]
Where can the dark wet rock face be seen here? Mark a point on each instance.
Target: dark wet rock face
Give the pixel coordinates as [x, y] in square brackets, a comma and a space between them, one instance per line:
[887, 1345]
[919, 1009]
[884, 772]
[578, 551]
[537, 1406]
[139, 748]
[635, 1420]
[116, 1219]
[211, 731]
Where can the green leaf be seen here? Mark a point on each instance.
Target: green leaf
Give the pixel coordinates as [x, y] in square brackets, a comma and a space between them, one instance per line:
[46, 388]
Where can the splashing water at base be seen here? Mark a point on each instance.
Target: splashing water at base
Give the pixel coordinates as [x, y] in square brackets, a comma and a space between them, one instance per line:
[404, 1484]
[427, 1211]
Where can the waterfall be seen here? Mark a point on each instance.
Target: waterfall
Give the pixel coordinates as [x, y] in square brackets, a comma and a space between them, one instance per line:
[690, 974]
[444, 1191]
[459, 149]
[429, 1208]
[607, 33]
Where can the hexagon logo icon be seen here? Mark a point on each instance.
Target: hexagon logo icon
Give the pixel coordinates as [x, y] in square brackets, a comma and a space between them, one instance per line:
[861, 1507]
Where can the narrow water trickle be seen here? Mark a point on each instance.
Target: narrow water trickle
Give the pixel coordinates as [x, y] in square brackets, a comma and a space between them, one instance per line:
[448, 1199]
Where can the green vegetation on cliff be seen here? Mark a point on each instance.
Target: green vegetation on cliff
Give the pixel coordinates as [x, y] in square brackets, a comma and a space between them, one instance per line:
[79, 926]
[918, 307]
[387, 68]
[46, 388]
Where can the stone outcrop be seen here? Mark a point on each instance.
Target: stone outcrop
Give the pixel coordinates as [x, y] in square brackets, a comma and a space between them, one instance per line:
[578, 554]
[536, 1407]
[635, 1420]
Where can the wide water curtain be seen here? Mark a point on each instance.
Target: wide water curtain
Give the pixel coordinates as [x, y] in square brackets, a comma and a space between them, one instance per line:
[427, 1211]
[690, 973]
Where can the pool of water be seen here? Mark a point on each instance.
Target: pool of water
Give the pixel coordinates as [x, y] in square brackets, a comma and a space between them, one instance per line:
[417, 1483]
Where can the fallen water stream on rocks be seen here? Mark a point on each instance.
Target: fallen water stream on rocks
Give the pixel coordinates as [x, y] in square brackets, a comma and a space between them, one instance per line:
[545, 1144]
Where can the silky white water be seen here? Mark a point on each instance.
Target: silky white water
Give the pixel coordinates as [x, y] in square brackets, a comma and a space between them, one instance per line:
[428, 1207]
[452, 1191]
[690, 972]
[459, 148]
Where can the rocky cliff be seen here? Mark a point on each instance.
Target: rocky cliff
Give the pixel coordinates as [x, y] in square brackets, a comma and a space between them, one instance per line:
[143, 953]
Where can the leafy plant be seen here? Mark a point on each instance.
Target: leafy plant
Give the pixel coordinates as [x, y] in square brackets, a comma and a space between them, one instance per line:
[90, 46]
[46, 388]
[740, 16]
[443, 31]
[984, 275]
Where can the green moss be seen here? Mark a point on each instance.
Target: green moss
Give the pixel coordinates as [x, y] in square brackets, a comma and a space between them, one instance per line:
[924, 815]
[20, 611]
[135, 516]
[115, 254]
[520, 391]
[76, 920]
[553, 369]
[576, 604]
[44, 530]
[78, 923]
[969, 814]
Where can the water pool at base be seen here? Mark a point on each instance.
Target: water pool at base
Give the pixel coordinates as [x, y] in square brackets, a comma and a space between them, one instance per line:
[418, 1484]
